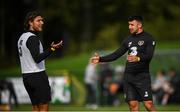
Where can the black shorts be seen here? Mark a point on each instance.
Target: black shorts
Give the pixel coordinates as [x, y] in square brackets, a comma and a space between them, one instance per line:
[37, 87]
[137, 86]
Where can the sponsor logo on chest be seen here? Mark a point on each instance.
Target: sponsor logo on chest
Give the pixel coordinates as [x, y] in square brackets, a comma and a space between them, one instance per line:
[129, 44]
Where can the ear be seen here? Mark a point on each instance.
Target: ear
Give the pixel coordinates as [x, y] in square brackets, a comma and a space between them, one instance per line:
[30, 23]
[139, 24]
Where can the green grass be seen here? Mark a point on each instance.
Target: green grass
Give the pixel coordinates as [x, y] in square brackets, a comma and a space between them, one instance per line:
[73, 108]
[168, 45]
[75, 65]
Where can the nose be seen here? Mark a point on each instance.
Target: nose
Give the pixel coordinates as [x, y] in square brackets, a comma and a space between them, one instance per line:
[42, 22]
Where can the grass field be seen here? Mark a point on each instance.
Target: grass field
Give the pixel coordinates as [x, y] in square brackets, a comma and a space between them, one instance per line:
[76, 108]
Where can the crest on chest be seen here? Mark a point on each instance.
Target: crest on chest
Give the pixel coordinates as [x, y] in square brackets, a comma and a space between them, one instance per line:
[141, 42]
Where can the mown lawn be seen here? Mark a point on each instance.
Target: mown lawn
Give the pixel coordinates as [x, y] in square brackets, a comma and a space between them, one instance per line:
[76, 108]
[76, 64]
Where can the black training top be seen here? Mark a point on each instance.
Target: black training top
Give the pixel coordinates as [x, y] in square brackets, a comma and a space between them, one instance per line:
[141, 45]
[32, 44]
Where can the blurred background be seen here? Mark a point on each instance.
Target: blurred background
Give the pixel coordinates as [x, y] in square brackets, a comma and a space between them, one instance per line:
[86, 27]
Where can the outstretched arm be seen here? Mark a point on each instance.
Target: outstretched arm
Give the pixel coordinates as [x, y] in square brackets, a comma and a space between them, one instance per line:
[33, 46]
[113, 56]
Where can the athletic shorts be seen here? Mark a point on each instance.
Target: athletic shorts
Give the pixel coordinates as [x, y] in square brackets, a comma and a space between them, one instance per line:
[37, 87]
[137, 86]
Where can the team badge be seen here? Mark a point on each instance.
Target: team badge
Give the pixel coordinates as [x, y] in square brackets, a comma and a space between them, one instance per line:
[140, 43]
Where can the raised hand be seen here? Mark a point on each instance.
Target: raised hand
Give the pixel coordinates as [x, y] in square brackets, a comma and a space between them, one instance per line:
[95, 58]
[56, 46]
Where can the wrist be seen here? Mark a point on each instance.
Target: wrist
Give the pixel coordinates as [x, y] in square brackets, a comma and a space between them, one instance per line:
[138, 58]
[53, 49]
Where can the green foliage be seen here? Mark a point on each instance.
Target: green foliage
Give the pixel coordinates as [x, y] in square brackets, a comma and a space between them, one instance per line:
[105, 22]
[88, 24]
[107, 37]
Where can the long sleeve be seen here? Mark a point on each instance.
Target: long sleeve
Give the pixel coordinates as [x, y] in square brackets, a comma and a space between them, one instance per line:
[116, 54]
[33, 45]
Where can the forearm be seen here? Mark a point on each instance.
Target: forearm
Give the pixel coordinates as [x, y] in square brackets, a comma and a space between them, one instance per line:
[113, 56]
[108, 58]
[42, 56]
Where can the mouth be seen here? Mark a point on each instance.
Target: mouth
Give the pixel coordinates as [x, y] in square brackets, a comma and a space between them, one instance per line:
[131, 30]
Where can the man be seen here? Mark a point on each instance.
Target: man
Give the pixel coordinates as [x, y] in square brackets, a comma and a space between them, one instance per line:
[8, 85]
[90, 80]
[140, 46]
[32, 57]
[174, 80]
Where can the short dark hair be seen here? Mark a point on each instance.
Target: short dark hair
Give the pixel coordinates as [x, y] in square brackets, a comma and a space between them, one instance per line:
[136, 17]
[30, 17]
